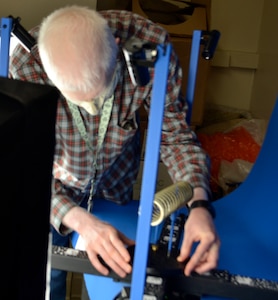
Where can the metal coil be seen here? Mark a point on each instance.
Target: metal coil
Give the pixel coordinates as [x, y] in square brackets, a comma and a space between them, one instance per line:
[170, 199]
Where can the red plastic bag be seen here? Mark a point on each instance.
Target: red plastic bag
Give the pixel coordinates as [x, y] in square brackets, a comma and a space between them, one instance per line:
[238, 143]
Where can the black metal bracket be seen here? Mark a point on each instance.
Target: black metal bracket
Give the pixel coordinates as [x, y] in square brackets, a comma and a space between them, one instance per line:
[139, 57]
[23, 36]
[210, 40]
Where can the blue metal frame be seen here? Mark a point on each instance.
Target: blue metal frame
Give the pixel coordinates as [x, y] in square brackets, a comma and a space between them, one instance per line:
[150, 172]
[152, 155]
[5, 34]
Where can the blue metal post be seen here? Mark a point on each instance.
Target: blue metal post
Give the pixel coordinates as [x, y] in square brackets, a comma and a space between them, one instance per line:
[5, 34]
[150, 172]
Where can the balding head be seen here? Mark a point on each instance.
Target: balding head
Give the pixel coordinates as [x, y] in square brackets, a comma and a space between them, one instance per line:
[78, 51]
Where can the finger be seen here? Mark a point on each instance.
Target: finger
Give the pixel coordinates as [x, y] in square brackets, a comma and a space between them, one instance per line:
[120, 246]
[196, 258]
[204, 258]
[104, 261]
[127, 241]
[97, 264]
[115, 261]
[185, 249]
[210, 262]
[118, 256]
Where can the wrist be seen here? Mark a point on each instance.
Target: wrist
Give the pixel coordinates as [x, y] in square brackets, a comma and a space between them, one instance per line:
[206, 204]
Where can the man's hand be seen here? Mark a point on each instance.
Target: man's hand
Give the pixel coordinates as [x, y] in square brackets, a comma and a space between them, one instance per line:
[200, 230]
[101, 239]
[104, 240]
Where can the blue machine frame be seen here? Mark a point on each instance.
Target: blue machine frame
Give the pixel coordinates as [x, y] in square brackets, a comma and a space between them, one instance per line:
[5, 34]
[152, 155]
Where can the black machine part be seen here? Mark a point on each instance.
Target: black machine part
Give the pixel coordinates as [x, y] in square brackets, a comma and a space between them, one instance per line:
[164, 274]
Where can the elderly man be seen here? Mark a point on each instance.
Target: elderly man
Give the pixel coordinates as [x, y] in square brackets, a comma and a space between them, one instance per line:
[97, 142]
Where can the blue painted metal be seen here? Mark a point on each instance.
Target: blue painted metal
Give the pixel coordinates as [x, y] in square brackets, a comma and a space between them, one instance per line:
[5, 34]
[150, 172]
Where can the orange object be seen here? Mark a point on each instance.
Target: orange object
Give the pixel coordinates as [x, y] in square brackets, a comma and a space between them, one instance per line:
[235, 144]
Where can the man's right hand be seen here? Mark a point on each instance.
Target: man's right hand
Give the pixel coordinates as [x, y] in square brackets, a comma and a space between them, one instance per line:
[101, 239]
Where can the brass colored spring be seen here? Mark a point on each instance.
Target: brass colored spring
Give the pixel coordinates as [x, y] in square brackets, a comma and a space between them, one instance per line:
[170, 199]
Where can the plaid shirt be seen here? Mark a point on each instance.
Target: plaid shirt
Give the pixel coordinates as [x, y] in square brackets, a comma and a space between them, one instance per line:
[118, 160]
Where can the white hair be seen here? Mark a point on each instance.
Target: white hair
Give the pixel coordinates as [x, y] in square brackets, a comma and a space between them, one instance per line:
[77, 49]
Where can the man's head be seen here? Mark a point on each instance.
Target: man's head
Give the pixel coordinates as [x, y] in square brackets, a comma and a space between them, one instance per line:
[78, 52]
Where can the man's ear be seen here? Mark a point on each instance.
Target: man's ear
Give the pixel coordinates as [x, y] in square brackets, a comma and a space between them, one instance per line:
[118, 40]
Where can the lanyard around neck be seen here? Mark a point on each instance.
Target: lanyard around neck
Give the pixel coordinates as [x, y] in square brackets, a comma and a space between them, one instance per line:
[103, 126]
[105, 114]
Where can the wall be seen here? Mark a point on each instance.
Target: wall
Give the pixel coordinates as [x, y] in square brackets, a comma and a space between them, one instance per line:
[245, 68]
[31, 12]
[236, 60]
[265, 87]
[243, 72]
